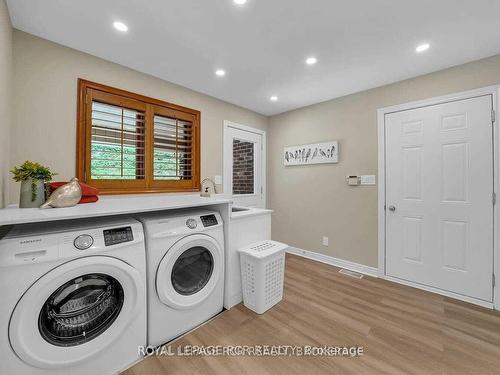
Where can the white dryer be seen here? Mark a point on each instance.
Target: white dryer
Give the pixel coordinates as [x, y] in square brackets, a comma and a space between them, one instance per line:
[185, 278]
[73, 297]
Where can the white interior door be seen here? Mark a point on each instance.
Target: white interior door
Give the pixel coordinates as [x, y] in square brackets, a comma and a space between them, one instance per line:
[244, 170]
[439, 190]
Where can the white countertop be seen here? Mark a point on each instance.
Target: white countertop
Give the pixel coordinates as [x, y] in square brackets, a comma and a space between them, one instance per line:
[107, 206]
[249, 211]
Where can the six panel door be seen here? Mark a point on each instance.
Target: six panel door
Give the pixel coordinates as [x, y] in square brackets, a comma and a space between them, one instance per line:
[439, 186]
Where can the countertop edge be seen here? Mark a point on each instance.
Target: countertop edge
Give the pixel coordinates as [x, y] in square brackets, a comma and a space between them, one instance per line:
[105, 207]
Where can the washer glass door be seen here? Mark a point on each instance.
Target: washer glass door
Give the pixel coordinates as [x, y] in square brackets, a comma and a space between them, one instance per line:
[80, 310]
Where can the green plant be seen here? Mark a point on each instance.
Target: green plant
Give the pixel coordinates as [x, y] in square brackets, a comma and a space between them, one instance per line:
[35, 172]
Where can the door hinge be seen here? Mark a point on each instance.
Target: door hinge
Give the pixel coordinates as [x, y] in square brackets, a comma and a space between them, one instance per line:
[493, 280]
[494, 198]
[493, 116]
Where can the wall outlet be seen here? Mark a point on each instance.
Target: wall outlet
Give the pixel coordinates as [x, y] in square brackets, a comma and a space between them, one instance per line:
[218, 180]
[325, 241]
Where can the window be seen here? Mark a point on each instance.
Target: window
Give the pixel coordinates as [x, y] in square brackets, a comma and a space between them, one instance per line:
[128, 143]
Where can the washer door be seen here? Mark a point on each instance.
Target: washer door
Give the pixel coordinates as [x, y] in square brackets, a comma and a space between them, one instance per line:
[189, 271]
[75, 311]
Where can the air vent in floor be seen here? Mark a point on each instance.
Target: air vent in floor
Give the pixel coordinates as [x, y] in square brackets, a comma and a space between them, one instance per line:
[351, 273]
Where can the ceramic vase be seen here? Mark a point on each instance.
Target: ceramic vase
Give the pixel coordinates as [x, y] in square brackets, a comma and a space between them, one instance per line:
[32, 193]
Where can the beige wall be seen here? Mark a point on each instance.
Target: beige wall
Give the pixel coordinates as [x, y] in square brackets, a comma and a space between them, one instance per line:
[314, 201]
[44, 104]
[5, 96]
[309, 202]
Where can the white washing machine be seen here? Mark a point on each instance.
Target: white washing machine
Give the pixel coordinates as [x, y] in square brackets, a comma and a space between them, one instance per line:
[73, 297]
[185, 260]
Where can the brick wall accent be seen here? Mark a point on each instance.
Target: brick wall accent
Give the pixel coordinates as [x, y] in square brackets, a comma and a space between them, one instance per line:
[243, 167]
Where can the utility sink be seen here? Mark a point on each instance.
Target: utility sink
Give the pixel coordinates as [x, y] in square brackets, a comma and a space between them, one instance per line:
[240, 209]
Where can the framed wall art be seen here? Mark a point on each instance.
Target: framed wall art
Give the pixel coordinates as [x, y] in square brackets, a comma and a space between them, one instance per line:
[314, 153]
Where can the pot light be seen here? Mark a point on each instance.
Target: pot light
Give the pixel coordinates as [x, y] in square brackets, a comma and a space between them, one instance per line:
[273, 98]
[311, 60]
[120, 26]
[240, 2]
[423, 47]
[220, 73]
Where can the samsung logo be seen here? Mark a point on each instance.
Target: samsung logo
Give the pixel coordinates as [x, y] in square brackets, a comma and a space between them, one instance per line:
[24, 242]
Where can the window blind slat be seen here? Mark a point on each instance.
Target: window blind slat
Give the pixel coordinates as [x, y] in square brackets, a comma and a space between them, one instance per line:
[117, 143]
[172, 148]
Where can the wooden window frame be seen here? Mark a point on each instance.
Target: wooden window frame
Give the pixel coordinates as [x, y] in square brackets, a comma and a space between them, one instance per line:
[88, 90]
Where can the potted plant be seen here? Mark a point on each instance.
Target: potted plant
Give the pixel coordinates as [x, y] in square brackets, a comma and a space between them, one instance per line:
[32, 177]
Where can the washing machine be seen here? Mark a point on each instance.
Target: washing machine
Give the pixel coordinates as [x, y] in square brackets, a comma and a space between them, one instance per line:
[73, 297]
[185, 278]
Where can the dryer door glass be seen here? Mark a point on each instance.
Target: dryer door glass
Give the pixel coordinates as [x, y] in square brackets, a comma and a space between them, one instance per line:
[80, 310]
[192, 270]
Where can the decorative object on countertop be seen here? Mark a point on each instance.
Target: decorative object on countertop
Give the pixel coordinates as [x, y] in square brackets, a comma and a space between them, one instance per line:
[67, 195]
[206, 193]
[89, 193]
[314, 153]
[33, 177]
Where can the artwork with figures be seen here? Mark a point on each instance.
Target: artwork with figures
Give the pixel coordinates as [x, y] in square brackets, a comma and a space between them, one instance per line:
[314, 153]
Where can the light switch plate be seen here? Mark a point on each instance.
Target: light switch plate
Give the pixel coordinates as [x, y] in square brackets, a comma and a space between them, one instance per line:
[368, 179]
[218, 180]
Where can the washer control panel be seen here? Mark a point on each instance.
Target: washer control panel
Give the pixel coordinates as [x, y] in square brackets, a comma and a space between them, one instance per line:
[208, 220]
[117, 235]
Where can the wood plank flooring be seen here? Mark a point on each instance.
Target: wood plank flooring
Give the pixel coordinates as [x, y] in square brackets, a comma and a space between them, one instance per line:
[403, 330]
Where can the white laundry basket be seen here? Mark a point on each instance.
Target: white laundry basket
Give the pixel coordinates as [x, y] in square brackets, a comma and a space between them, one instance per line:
[262, 273]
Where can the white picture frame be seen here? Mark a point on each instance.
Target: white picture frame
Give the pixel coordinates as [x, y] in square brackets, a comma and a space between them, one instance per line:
[313, 153]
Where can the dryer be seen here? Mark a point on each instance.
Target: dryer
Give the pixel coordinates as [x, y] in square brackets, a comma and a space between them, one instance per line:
[185, 278]
[73, 297]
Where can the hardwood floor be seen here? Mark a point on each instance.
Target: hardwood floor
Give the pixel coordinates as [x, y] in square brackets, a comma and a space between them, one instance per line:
[403, 330]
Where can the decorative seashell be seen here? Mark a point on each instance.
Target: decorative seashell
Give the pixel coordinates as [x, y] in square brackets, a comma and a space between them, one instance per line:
[67, 195]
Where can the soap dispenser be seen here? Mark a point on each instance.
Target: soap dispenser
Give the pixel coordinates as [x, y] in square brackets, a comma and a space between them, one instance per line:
[206, 193]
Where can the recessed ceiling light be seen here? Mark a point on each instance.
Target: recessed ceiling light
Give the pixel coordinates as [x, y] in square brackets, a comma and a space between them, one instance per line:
[423, 47]
[240, 2]
[273, 98]
[311, 60]
[220, 73]
[120, 26]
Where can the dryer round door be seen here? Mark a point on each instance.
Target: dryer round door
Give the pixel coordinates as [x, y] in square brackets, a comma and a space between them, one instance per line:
[189, 272]
[75, 311]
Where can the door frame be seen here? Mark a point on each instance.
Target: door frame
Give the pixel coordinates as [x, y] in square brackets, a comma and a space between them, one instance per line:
[226, 164]
[494, 91]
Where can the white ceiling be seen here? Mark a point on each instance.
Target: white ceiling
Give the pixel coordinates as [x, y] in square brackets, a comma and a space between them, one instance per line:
[360, 44]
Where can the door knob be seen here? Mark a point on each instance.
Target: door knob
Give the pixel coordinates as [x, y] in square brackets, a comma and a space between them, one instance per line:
[392, 208]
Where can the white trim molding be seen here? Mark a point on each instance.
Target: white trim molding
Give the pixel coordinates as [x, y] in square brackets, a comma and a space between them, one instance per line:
[494, 91]
[226, 172]
[332, 261]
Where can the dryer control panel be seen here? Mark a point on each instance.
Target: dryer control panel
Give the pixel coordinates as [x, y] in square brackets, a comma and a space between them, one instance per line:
[117, 235]
[208, 220]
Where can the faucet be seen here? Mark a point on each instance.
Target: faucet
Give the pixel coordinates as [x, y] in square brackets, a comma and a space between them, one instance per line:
[206, 193]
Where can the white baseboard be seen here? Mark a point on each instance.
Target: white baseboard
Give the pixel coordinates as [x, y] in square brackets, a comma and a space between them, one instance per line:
[361, 268]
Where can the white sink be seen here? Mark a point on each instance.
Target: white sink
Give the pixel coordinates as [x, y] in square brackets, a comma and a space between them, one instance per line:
[240, 209]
